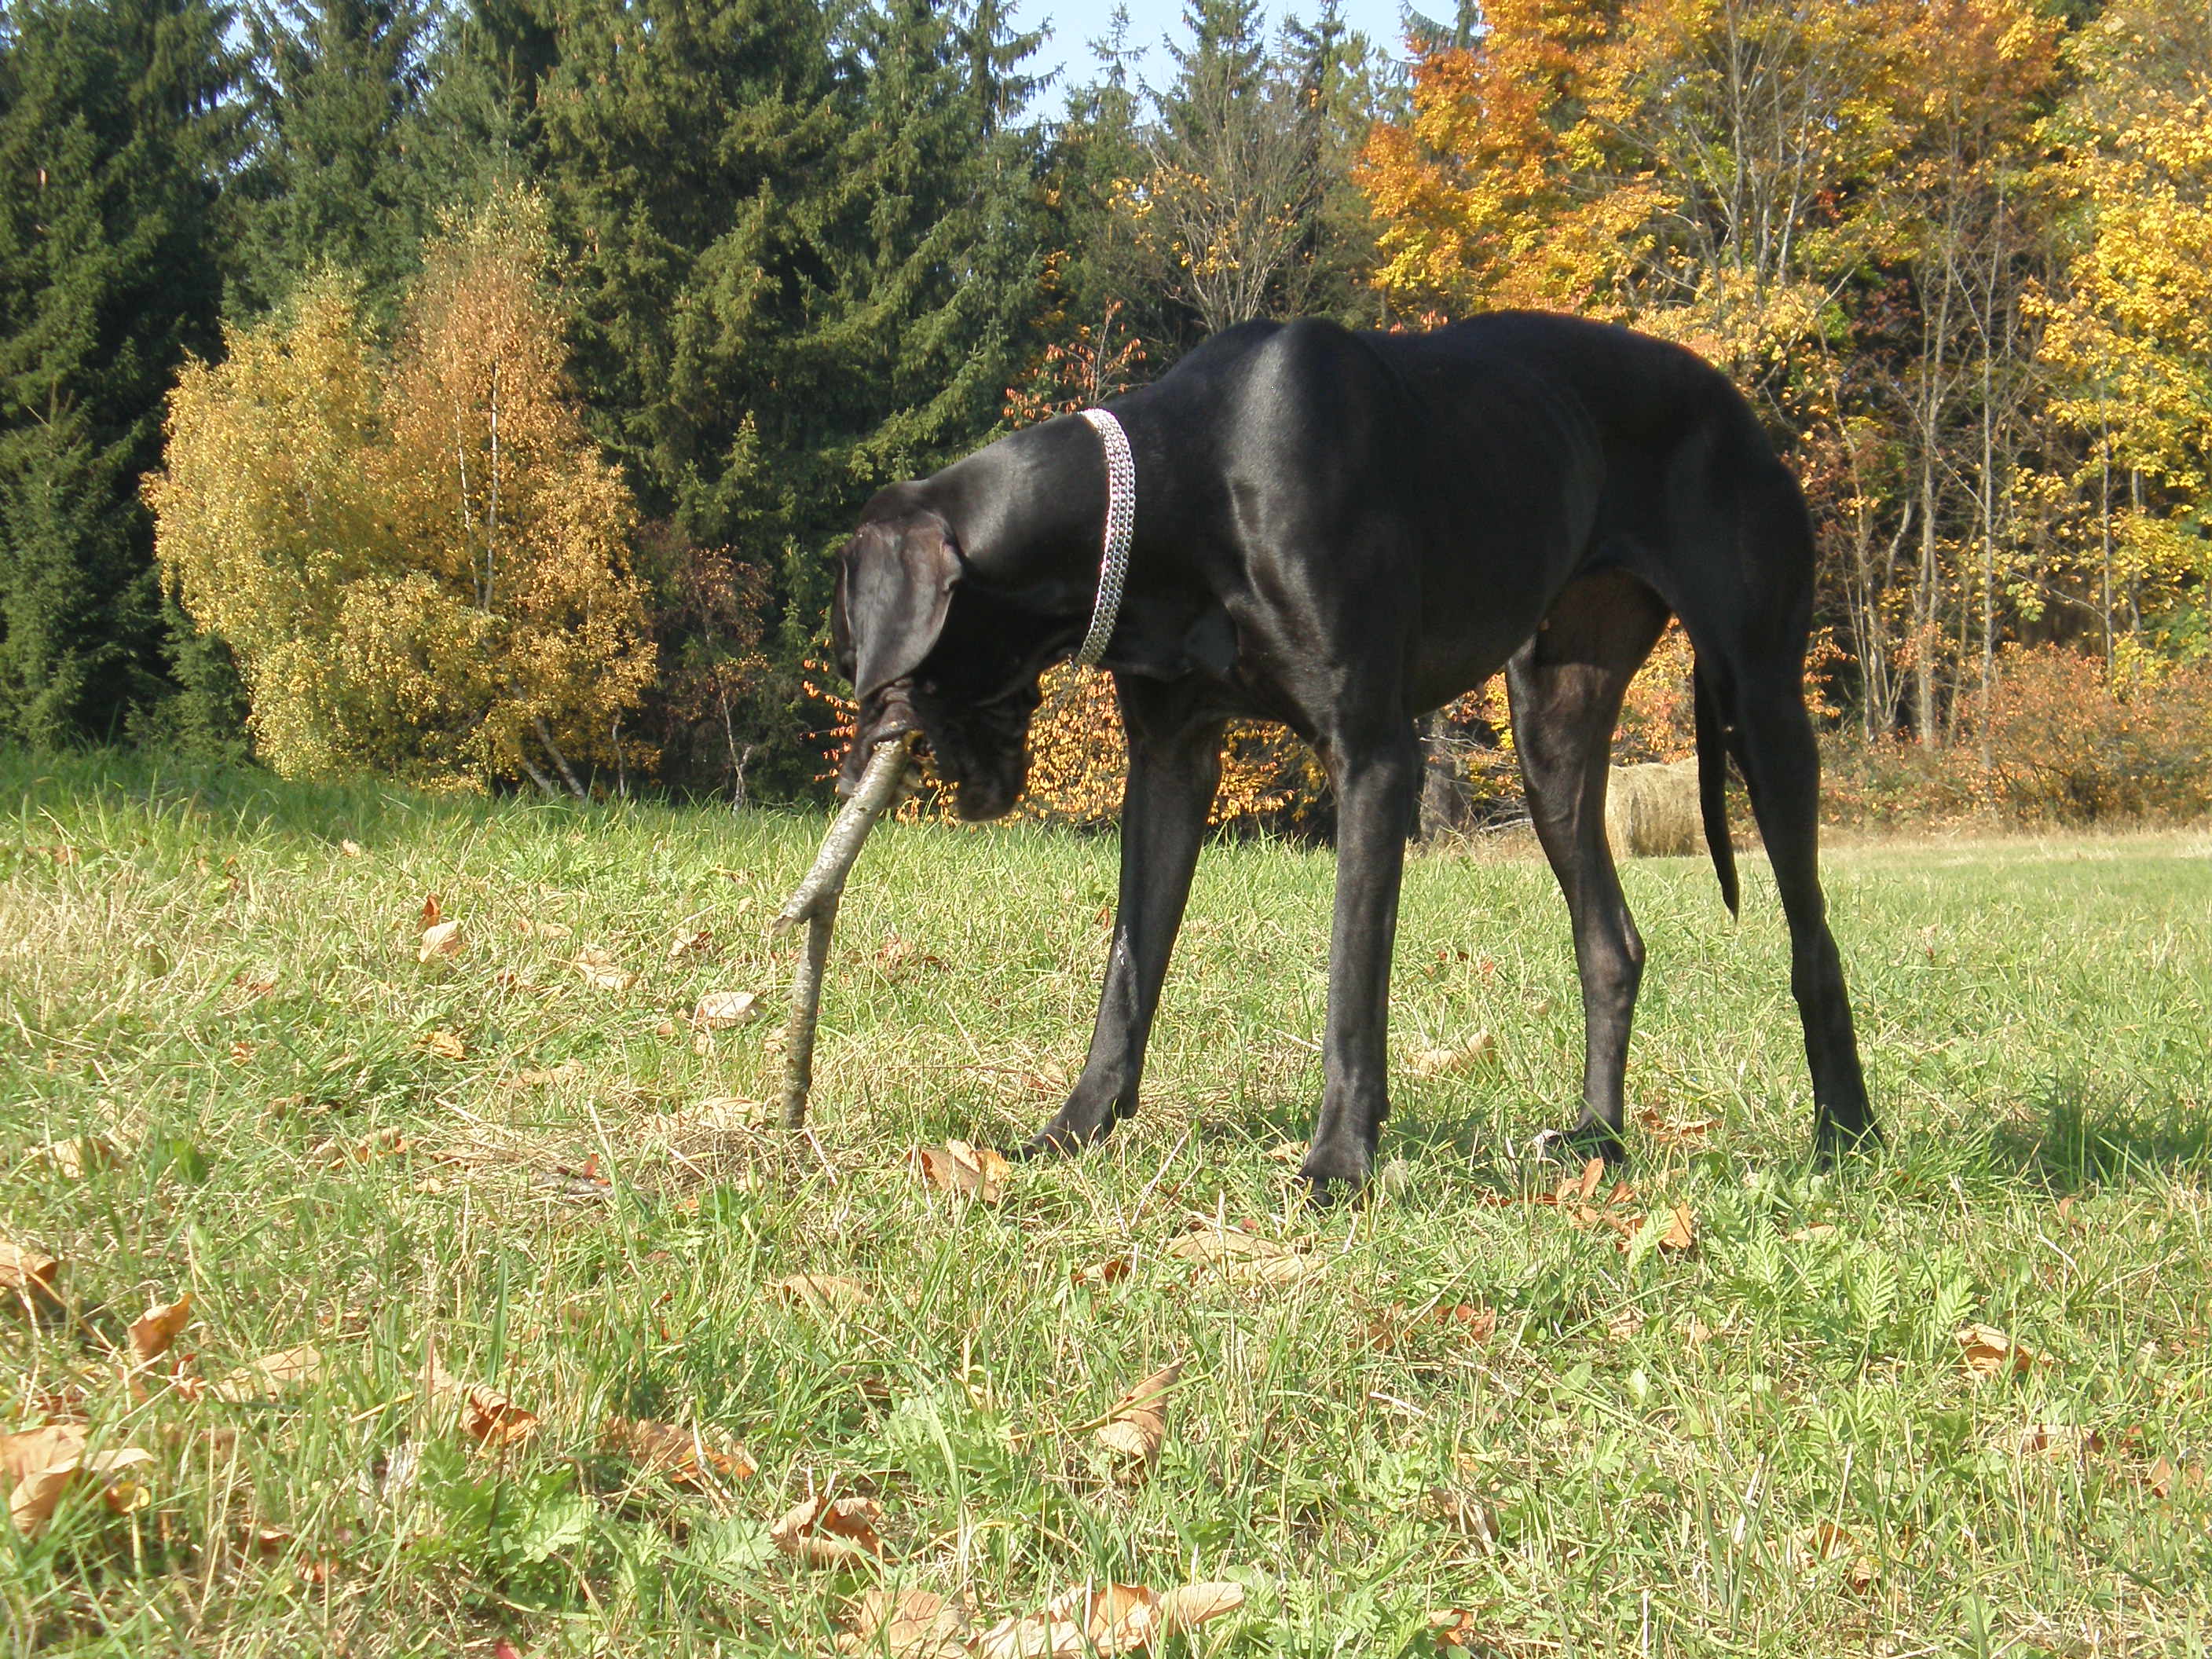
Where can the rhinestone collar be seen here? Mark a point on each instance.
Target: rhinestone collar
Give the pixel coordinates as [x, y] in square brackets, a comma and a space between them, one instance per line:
[1120, 525]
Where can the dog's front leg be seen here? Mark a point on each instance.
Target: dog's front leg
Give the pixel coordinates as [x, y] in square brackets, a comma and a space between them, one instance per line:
[1375, 782]
[1175, 766]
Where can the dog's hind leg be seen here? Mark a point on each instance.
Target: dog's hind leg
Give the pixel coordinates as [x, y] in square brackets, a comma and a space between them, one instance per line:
[1753, 632]
[1567, 685]
[1175, 768]
[1773, 741]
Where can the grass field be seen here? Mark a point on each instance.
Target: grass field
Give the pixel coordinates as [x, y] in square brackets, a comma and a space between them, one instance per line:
[495, 1167]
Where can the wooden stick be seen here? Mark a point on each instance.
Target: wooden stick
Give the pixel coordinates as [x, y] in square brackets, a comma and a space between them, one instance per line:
[815, 903]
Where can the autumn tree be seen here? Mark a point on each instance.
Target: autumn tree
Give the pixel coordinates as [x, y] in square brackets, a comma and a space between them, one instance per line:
[421, 562]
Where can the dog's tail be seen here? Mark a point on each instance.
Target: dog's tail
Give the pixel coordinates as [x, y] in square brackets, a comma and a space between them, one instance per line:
[1712, 784]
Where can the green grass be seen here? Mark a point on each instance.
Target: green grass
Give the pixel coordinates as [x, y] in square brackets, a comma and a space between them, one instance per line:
[214, 974]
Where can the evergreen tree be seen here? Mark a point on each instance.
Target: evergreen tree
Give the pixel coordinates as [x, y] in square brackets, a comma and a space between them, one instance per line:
[337, 87]
[117, 128]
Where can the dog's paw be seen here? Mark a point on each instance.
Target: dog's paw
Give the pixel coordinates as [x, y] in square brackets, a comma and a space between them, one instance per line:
[1333, 1176]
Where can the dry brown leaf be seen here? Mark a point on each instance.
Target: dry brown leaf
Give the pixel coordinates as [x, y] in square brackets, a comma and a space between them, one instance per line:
[350, 848]
[1031, 1636]
[488, 1418]
[822, 1293]
[1696, 1332]
[1825, 1540]
[1593, 1177]
[1099, 1274]
[719, 1115]
[1985, 1350]
[683, 1457]
[28, 1275]
[1132, 1430]
[1287, 1151]
[599, 972]
[1273, 1272]
[153, 1330]
[80, 1155]
[1114, 1618]
[1465, 1513]
[830, 1532]
[1454, 1627]
[1656, 1124]
[38, 1467]
[2059, 1441]
[445, 1042]
[1818, 1230]
[693, 944]
[441, 939]
[1478, 1051]
[1623, 1325]
[967, 1171]
[267, 1377]
[1189, 1606]
[1215, 1246]
[1676, 1229]
[912, 1623]
[719, 1011]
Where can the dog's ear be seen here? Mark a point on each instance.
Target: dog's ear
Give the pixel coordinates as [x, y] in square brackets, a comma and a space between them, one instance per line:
[893, 592]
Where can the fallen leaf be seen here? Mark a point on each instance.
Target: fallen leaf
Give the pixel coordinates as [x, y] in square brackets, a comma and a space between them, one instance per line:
[903, 955]
[438, 938]
[1677, 1229]
[1825, 1540]
[433, 913]
[1623, 1325]
[830, 1532]
[1818, 1230]
[1696, 1332]
[80, 1155]
[721, 1114]
[1593, 1177]
[1132, 1430]
[1100, 1274]
[1988, 1351]
[29, 1275]
[267, 1377]
[689, 944]
[1656, 1124]
[1287, 1151]
[956, 1167]
[538, 1077]
[1273, 1272]
[153, 1330]
[2059, 1441]
[1189, 1606]
[1214, 1246]
[532, 927]
[683, 1457]
[1453, 1628]
[1030, 1635]
[1114, 1618]
[486, 1417]
[1464, 1513]
[599, 971]
[718, 1010]
[1479, 1050]
[911, 1624]
[822, 1293]
[444, 1042]
[350, 848]
[38, 1467]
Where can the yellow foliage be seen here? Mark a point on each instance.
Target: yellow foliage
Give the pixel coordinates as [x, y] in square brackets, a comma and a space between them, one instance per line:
[421, 563]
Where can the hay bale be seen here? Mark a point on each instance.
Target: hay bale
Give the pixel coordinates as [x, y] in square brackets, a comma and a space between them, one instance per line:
[1651, 811]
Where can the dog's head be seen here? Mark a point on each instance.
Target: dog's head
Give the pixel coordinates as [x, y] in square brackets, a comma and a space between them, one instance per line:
[928, 647]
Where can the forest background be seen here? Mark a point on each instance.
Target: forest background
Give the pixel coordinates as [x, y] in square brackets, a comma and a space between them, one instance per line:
[471, 394]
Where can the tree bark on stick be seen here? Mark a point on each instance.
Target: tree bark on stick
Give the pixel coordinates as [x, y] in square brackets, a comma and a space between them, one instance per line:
[815, 903]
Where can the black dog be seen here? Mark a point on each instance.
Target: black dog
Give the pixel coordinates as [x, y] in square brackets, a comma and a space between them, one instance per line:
[1341, 531]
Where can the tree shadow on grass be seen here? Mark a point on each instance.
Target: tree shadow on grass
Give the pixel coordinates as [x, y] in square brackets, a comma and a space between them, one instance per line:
[2076, 1139]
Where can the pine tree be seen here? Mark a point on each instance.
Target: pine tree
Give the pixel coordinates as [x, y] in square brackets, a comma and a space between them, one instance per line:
[118, 127]
[337, 86]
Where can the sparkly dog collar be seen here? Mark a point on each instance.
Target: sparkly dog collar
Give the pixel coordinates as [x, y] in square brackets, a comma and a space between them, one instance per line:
[1120, 525]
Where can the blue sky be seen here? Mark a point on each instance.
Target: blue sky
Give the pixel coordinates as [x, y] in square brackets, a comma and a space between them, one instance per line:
[1076, 23]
